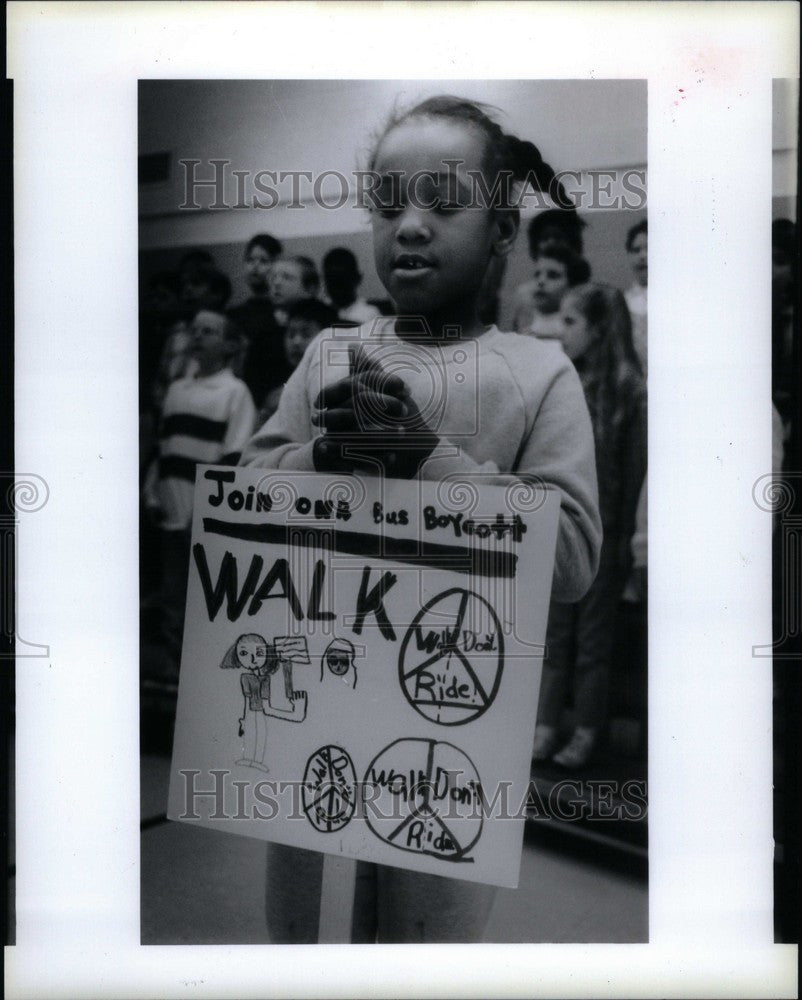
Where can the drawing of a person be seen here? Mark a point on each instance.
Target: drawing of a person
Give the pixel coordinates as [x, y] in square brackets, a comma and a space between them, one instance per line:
[260, 661]
[339, 657]
[252, 653]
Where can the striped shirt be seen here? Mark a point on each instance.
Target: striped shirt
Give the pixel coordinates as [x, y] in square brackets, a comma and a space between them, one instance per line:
[205, 418]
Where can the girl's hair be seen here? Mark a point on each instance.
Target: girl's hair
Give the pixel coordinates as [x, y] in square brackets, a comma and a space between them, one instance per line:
[577, 268]
[610, 361]
[231, 662]
[506, 155]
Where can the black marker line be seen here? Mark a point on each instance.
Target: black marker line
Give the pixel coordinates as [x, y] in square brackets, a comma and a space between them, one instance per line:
[459, 848]
[468, 706]
[469, 669]
[427, 788]
[434, 555]
[405, 822]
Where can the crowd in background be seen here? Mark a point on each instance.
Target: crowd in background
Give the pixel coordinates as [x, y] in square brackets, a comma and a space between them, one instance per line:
[212, 372]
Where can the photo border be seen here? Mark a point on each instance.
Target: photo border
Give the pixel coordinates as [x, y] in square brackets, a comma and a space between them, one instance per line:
[75, 68]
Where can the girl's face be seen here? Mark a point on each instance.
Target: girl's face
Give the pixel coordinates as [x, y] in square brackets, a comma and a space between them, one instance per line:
[286, 283]
[431, 259]
[252, 654]
[551, 283]
[257, 269]
[576, 335]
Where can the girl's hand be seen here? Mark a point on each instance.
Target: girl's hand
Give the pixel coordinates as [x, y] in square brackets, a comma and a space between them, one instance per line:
[370, 420]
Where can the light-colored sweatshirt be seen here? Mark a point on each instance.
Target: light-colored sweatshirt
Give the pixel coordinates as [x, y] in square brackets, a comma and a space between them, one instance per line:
[205, 419]
[503, 406]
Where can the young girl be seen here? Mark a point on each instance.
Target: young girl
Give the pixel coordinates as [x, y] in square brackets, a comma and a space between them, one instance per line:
[523, 414]
[597, 337]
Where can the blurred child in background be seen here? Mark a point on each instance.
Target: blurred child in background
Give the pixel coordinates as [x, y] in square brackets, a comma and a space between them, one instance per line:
[342, 279]
[203, 287]
[555, 271]
[556, 229]
[597, 337]
[207, 418]
[176, 361]
[306, 318]
[292, 279]
[636, 295]
[263, 366]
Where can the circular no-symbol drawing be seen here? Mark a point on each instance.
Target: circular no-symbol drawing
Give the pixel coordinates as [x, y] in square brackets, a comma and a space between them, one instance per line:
[452, 657]
[425, 797]
[328, 794]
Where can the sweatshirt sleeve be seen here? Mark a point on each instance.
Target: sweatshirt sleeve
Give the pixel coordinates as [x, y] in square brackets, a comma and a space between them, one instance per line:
[285, 441]
[559, 450]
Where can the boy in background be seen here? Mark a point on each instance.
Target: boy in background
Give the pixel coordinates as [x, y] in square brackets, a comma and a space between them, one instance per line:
[537, 311]
[207, 418]
[292, 279]
[556, 234]
[263, 366]
[306, 319]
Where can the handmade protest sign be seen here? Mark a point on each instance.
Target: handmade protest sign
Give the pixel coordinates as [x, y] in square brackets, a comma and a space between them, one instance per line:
[361, 665]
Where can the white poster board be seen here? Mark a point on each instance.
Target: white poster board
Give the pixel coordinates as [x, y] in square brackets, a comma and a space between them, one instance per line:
[361, 666]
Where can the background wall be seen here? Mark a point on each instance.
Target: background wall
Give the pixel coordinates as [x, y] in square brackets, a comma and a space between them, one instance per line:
[324, 125]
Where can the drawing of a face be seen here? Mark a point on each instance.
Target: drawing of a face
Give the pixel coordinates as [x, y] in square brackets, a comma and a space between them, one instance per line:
[338, 661]
[339, 658]
[252, 652]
